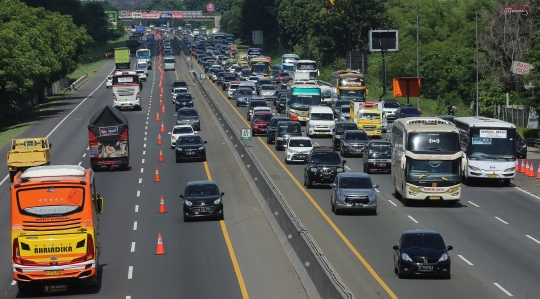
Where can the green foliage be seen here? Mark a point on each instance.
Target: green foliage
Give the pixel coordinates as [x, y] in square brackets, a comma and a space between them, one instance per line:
[531, 133]
[162, 5]
[258, 15]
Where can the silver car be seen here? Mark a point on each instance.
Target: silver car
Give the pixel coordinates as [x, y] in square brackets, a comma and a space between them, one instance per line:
[267, 91]
[353, 191]
[243, 96]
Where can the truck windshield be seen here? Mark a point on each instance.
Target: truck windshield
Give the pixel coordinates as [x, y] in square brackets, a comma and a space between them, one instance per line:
[168, 60]
[368, 115]
[492, 143]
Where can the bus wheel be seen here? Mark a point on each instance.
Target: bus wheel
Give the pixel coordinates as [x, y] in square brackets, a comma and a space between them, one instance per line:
[23, 286]
[396, 193]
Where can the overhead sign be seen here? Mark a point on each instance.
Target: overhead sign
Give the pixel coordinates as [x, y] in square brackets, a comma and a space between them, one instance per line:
[406, 87]
[166, 15]
[520, 68]
[515, 9]
[112, 18]
[136, 15]
[210, 7]
[177, 15]
[151, 15]
[383, 40]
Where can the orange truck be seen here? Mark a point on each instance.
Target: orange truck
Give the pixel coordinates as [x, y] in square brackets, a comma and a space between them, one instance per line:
[54, 228]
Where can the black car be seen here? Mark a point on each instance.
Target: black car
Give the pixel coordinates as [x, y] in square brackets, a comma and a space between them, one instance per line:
[254, 102]
[219, 78]
[190, 147]
[285, 130]
[377, 156]
[179, 83]
[202, 199]
[339, 129]
[407, 111]
[421, 252]
[521, 148]
[188, 116]
[322, 166]
[338, 105]
[282, 104]
[274, 76]
[277, 95]
[270, 137]
[353, 142]
[183, 100]
[226, 80]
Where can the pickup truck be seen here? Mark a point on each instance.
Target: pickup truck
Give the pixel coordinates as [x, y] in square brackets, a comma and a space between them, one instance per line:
[26, 153]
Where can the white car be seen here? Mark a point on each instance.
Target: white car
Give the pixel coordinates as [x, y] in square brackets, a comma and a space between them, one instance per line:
[142, 75]
[108, 82]
[298, 149]
[178, 90]
[180, 130]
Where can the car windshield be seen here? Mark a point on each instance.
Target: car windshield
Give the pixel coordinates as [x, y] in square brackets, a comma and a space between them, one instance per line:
[343, 128]
[354, 183]
[391, 105]
[284, 74]
[187, 112]
[179, 84]
[342, 103]
[258, 104]
[322, 116]
[356, 136]
[245, 72]
[345, 109]
[245, 92]
[409, 110]
[268, 87]
[202, 190]
[183, 130]
[289, 129]
[380, 148]
[326, 158]
[300, 143]
[190, 140]
[262, 117]
[422, 240]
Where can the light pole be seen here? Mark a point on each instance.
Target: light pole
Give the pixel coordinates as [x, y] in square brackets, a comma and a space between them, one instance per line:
[477, 88]
[417, 53]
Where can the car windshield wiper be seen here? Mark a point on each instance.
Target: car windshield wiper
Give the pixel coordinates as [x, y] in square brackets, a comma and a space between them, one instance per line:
[436, 149]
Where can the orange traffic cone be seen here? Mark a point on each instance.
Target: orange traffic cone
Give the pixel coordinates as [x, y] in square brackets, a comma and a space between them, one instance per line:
[526, 173]
[531, 170]
[157, 178]
[538, 172]
[162, 109]
[161, 158]
[159, 248]
[161, 100]
[517, 165]
[157, 116]
[162, 205]
[159, 141]
[162, 128]
[522, 169]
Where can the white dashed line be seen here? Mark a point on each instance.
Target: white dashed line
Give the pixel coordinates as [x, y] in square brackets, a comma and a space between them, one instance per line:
[410, 217]
[146, 128]
[145, 133]
[13, 282]
[144, 145]
[142, 169]
[502, 289]
[392, 203]
[140, 180]
[136, 208]
[472, 203]
[130, 272]
[347, 167]
[132, 246]
[145, 138]
[139, 193]
[465, 260]
[79, 163]
[128, 297]
[84, 155]
[533, 239]
[377, 190]
[87, 148]
[144, 152]
[501, 220]
[142, 161]
[147, 121]
[135, 225]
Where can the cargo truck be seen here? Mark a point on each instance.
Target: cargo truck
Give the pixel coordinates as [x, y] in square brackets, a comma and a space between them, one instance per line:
[368, 117]
[133, 42]
[28, 152]
[242, 57]
[122, 58]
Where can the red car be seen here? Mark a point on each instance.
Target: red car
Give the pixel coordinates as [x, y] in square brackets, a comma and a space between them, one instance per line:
[283, 76]
[260, 122]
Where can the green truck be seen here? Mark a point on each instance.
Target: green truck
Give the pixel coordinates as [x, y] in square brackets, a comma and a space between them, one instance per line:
[122, 58]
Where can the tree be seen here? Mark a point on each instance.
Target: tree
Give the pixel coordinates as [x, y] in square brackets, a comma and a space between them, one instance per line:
[259, 15]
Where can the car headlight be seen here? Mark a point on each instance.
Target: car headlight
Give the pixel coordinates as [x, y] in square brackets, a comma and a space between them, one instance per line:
[406, 257]
[280, 138]
[340, 169]
[197, 120]
[341, 196]
[188, 203]
[179, 149]
[443, 257]
[255, 127]
[510, 169]
[372, 197]
[414, 189]
[217, 201]
[173, 138]
[345, 144]
[290, 151]
[474, 168]
[313, 169]
[201, 148]
[312, 126]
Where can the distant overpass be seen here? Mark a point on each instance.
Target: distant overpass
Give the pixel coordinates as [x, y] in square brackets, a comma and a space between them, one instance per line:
[165, 16]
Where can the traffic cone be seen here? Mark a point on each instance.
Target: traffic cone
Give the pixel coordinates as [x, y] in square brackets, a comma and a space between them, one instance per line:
[162, 205]
[538, 172]
[162, 128]
[517, 165]
[522, 169]
[531, 170]
[157, 178]
[162, 108]
[161, 100]
[526, 173]
[159, 248]
[157, 116]
[159, 141]
[161, 158]
[161, 91]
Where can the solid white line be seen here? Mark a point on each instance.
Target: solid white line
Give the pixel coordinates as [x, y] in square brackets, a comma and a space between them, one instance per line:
[527, 192]
[465, 260]
[501, 220]
[138, 193]
[392, 203]
[472, 203]
[502, 289]
[376, 190]
[143, 161]
[135, 225]
[132, 246]
[136, 208]
[347, 167]
[79, 163]
[13, 282]
[533, 239]
[140, 180]
[142, 169]
[130, 272]
[84, 155]
[412, 218]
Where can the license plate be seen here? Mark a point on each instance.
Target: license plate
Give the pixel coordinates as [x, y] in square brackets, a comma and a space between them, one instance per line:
[262, 130]
[358, 204]
[204, 209]
[53, 272]
[126, 104]
[381, 164]
[434, 198]
[425, 268]
[492, 175]
[322, 133]
[55, 288]
[190, 153]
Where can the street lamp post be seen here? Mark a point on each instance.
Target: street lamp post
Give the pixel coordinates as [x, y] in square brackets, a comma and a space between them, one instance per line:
[417, 53]
[477, 87]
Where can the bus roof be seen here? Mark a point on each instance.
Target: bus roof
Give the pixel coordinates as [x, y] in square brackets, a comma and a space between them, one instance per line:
[54, 171]
[347, 73]
[480, 121]
[425, 124]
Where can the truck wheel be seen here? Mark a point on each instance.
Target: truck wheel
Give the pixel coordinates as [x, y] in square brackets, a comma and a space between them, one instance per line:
[12, 175]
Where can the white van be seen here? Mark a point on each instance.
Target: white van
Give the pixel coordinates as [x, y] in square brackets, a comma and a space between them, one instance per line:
[142, 65]
[169, 62]
[320, 121]
[249, 84]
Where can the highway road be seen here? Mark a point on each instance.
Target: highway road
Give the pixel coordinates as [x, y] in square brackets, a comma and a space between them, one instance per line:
[240, 257]
[494, 231]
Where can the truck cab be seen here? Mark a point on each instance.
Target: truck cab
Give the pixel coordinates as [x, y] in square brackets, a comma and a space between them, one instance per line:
[26, 153]
[368, 117]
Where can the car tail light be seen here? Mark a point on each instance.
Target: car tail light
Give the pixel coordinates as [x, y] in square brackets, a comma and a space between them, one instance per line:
[16, 254]
[138, 96]
[114, 97]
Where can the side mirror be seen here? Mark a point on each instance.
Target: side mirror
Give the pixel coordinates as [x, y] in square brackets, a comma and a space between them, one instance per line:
[199, 114]
[395, 247]
[181, 196]
[50, 145]
[449, 247]
[344, 161]
[222, 193]
[335, 119]
[333, 185]
[376, 186]
[205, 142]
[99, 204]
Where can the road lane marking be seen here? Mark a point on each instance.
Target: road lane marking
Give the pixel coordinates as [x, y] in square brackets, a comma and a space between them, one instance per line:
[134, 225]
[132, 246]
[142, 169]
[130, 272]
[392, 203]
[140, 180]
[465, 260]
[527, 192]
[88, 147]
[236, 267]
[315, 204]
[84, 155]
[144, 152]
[533, 239]
[347, 167]
[136, 208]
[142, 161]
[145, 133]
[145, 138]
[79, 163]
[139, 193]
[144, 145]
[502, 289]
[472, 203]
[501, 220]
[13, 282]
[377, 190]
[411, 217]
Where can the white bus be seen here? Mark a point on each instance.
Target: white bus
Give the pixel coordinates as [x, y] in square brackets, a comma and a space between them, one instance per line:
[426, 160]
[490, 146]
[126, 90]
[307, 66]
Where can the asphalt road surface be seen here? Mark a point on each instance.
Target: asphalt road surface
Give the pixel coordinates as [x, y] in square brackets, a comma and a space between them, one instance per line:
[494, 230]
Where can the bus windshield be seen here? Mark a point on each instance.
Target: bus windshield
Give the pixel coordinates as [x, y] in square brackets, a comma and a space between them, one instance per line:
[434, 142]
[258, 68]
[353, 95]
[287, 67]
[351, 81]
[304, 101]
[433, 170]
[492, 143]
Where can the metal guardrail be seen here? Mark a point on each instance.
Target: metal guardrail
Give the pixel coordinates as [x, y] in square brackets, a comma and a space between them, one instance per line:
[321, 82]
[75, 85]
[325, 279]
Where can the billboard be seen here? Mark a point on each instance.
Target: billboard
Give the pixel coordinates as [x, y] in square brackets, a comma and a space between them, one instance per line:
[520, 68]
[166, 15]
[177, 15]
[406, 87]
[151, 15]
[112, 18]
[383, 40]
[518, 9]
